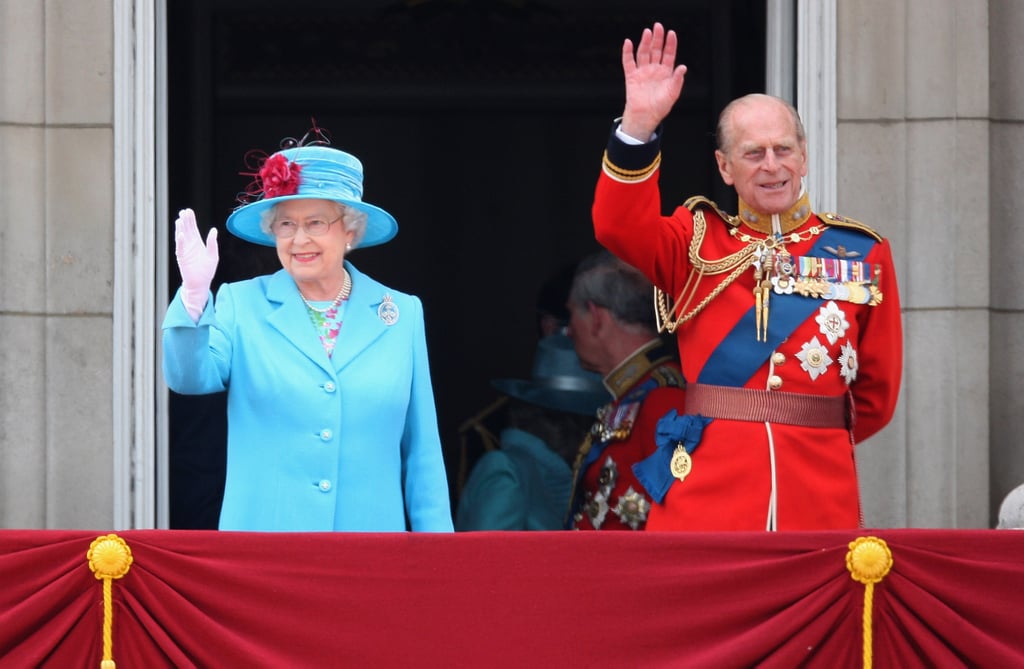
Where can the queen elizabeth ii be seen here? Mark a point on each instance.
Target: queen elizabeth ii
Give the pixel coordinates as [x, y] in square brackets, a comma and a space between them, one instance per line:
[331, 418]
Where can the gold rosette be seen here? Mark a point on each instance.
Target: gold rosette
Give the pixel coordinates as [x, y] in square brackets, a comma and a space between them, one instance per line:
[109, 558]
[869, 561]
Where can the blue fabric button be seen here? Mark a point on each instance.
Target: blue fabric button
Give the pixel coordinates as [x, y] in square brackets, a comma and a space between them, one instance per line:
[329, 387]
[324, 485]
[325, 435]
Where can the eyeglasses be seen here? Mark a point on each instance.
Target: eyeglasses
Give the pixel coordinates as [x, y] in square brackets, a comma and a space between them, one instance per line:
[314, 228]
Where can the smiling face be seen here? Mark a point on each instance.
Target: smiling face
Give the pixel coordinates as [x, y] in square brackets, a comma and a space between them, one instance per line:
[315, 262]
[763, 159]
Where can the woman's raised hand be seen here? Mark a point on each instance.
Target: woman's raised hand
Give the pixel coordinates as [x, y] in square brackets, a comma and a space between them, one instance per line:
[197, 262]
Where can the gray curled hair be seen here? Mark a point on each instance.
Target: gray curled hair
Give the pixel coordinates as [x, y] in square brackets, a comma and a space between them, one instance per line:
[351, 218]
[606, 281]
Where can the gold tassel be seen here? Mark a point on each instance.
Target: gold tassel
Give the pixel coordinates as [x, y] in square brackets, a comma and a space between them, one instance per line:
[869, 561]
[762, 317]
[109, 558]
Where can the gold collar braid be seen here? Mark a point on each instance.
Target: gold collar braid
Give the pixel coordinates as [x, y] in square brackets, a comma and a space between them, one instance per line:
[789, 220]
[621, 380]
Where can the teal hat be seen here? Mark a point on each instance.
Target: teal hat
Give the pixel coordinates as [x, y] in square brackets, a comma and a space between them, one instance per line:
[312, 171]
[558, 381]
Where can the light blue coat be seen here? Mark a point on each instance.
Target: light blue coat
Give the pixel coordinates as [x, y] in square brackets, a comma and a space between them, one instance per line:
[316, 443]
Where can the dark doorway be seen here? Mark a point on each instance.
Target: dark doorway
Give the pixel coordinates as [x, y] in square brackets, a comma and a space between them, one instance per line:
[481, 127]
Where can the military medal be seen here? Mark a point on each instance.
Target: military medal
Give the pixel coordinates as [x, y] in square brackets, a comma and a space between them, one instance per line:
[832, 322]
[837, 279]
[814, 358]
[681, 463]
[848, 363]
[632, 508]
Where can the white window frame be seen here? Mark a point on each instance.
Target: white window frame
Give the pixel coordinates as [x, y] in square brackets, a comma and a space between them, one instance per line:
[139, 406]
[810, 56]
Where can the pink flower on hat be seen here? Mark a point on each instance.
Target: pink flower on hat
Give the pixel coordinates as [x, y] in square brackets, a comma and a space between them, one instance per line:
[279, 177]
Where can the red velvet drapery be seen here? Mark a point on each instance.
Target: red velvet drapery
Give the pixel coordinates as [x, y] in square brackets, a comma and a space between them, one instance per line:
[558, 599]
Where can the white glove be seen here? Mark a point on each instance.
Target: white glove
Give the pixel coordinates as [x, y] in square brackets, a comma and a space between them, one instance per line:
[197, 262]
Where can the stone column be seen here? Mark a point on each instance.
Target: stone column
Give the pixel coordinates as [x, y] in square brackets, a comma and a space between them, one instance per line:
[56, 263]
[913, 156]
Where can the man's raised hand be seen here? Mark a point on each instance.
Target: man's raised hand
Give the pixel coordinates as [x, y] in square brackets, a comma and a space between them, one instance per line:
[653, 81]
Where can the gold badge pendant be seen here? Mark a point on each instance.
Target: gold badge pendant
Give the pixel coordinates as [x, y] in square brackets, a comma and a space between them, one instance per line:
[681, 463]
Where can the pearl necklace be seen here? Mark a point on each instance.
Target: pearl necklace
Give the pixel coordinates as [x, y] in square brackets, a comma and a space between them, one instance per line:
[346, 289]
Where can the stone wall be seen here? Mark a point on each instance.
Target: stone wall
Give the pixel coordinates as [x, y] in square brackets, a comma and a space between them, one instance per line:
[915, 146]
[1005, 270]
[56, 263]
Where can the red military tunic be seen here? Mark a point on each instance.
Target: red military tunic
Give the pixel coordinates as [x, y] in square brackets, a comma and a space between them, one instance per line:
[749, 475]
[645, 387]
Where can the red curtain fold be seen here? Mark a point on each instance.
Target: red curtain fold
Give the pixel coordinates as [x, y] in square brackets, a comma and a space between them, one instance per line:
[230, 599]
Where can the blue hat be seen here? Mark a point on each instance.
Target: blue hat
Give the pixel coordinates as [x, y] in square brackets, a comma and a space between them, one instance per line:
[311, 171]
[558, 381]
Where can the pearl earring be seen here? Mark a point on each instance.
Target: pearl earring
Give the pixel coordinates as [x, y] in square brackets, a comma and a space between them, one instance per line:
[348, 247]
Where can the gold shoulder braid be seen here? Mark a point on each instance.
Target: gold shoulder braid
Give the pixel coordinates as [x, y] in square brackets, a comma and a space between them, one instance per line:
[670, 316]
[669, 377]
[846, 222]
[699, 201]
